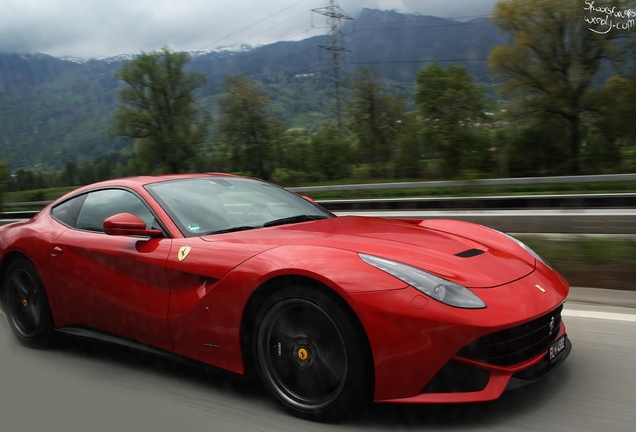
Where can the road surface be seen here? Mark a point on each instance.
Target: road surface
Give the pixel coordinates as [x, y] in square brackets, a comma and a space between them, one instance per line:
[82, 386]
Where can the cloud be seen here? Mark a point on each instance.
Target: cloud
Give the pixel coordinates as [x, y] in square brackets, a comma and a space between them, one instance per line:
[93, 28]
[440, 8]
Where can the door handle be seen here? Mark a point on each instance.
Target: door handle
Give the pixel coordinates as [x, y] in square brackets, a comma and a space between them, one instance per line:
[57, 251]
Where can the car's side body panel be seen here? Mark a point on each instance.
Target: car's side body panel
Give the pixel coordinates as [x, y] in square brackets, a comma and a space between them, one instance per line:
[117, 284]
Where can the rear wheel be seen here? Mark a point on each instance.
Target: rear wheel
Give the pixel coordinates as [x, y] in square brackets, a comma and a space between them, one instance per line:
[26, 304]
[310, 355]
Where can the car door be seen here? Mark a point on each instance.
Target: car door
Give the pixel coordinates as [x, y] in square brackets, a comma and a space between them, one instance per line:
[117, 284]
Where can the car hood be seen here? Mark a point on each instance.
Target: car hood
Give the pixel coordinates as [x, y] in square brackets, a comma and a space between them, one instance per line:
[465, 253]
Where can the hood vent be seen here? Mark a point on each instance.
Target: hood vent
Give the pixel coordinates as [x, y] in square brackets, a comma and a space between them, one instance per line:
[470, 253]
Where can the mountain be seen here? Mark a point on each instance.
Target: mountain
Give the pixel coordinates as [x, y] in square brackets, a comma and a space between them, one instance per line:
[57, 109]
[397, 45]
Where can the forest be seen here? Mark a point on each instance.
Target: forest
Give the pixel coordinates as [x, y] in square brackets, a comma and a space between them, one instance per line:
[558, 101]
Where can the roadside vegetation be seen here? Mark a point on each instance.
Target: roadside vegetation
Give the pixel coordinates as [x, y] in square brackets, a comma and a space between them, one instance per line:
[560, 105]
[586, 261]
[557, 106]
[466, 190]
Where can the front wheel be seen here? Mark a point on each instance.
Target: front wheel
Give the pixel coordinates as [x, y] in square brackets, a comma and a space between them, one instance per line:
[310, 355]
[26, 304]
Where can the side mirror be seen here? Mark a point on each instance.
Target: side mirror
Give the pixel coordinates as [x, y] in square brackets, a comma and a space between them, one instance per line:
[126, 224]
[310, 199]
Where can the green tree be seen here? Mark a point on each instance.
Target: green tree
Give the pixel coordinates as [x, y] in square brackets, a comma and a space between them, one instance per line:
[25, 180]
[158, 109]
[409, 154]
[330, 153]
[452, 106]
[376, 119]
[612, 104]
[70, 174]
[538, 146]
[4, 176]
[551, 59]
[295, 151]
[247, 128]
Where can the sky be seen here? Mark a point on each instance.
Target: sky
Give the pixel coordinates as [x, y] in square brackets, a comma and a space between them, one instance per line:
[106, 28]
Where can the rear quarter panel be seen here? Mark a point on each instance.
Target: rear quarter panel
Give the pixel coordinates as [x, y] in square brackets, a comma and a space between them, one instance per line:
[32, 239]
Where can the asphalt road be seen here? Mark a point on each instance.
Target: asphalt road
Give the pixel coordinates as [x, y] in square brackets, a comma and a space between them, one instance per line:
[80, 386]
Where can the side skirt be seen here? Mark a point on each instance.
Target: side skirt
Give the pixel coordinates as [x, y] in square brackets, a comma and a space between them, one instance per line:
[109, 338]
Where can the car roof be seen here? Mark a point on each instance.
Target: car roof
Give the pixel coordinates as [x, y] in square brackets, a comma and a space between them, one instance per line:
[149, 179]
[138, 182]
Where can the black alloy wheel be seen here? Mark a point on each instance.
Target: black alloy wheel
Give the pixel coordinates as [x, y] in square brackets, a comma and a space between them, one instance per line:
[26, 304]
[308, 355]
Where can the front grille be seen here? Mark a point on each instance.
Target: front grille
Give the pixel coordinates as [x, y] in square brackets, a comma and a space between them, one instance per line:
[514, 345]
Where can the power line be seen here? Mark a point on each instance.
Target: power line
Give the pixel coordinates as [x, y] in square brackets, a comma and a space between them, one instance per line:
[420, 61]
[252, 24]
[189, 26]
[457, 24]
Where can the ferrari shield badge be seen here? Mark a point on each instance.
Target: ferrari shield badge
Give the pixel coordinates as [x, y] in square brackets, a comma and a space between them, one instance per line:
[183, 252]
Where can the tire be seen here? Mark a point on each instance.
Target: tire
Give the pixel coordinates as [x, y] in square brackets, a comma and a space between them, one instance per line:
[310, 355]
[26, 305]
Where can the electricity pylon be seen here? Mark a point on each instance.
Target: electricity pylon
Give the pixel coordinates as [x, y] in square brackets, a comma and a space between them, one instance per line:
[335, 46]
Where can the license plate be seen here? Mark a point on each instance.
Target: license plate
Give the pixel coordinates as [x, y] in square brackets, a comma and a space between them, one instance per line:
[556, 348]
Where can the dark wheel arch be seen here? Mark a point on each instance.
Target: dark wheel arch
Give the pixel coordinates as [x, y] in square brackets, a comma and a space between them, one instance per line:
[4, 265]
[312, 297]
[25, 302]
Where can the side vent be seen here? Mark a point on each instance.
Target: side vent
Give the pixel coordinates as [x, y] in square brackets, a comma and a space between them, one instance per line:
[470, 253]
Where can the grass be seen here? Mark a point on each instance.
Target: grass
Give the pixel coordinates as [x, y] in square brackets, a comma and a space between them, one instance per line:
[583, 249]
[590, 261]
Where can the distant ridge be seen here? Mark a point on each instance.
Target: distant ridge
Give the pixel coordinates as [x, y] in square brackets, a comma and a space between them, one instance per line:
[57, 109]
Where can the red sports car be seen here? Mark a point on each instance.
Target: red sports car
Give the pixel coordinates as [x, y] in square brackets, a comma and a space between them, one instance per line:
[330, 312]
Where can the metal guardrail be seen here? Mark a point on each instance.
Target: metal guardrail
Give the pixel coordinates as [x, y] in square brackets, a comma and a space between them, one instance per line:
[564, 213]
[609, 214]
[606, 222]
[469, 183]
[432, 184]
[571, 201]
[38, 204]
[520, 202]
[20, 215]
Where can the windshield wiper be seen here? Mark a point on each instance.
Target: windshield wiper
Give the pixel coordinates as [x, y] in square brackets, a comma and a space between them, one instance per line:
[232, 229]
[293, 219]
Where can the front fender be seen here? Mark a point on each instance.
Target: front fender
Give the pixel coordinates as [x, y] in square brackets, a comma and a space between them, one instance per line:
[210, 329]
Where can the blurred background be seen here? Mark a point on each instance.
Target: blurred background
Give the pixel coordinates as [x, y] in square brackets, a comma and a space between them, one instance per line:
[514, 114]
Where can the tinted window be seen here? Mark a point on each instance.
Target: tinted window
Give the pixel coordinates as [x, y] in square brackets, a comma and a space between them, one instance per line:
[100, 205]
[202, 206]
[67, 212]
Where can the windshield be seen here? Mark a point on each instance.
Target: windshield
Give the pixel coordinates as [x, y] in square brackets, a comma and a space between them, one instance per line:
[214, 205]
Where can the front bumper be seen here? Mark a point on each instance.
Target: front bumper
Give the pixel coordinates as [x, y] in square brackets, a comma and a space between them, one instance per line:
[418, 343]
[540, 370]
[483, 382]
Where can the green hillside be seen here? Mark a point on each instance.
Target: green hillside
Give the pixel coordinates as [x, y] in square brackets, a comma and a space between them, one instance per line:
[56, 110]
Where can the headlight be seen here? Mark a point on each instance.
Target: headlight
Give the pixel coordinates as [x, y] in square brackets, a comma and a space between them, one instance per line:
[433, 286]
[527, 249]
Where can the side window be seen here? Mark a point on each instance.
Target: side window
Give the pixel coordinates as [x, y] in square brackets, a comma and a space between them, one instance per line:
[100, 205]
[67, 212]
